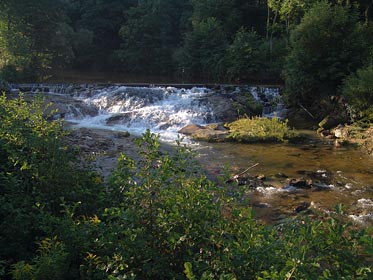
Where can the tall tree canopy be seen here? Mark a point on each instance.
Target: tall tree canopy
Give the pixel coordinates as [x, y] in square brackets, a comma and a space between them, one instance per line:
[326, 46]
[35, 35]
[204, 40]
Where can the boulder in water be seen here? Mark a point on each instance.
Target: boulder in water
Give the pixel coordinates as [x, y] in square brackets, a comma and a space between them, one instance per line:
[302, 207]
[300, 183]
[205, 133]
[190, 129]
[340, 132]
[118, 118]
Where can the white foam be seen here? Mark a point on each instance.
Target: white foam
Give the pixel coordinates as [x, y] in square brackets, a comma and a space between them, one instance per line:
[365, 203]
[362, 218]
[162, 110]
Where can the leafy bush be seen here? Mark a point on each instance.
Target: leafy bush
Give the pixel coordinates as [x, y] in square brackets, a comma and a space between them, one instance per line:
[37, 171]
[259, 129]
[171, 221]
[51, 260]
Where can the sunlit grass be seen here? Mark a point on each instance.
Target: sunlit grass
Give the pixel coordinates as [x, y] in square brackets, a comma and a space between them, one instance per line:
[260, 129]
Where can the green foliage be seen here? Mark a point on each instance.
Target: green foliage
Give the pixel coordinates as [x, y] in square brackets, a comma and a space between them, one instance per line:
[256, 129]
[358, 90]
[285, 15]
[100, 22]
[188, 40]
[243, 58]
[159, 217]
[203, 51]
[325, 47]
[37, 172]
[35, 36]
[51, 260]
[10, 74]
[150, 36]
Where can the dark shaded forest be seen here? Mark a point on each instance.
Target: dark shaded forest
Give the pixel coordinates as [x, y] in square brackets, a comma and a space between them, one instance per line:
[316, 48]
[210, 40]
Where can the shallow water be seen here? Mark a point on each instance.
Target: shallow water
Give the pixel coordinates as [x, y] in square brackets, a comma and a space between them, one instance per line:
[345, 173]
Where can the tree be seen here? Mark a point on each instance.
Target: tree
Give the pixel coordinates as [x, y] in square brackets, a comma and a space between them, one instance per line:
[102, 21]
[243, 58]
[201, 56]
[358, 90]
[34, 35]
[326, 46]
[150, 36]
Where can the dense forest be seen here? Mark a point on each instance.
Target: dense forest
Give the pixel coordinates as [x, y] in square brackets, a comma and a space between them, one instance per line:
[316, 48]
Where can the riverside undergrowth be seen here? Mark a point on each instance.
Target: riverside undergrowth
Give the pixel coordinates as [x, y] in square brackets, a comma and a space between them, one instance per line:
[158, 217]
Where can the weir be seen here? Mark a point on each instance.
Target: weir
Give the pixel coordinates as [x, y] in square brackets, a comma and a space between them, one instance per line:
[162, 109]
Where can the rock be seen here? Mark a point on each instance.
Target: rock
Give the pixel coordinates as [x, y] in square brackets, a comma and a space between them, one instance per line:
[302, 207]
[210, 135]
[122, 134]
[301, 183]
[281, 175]
[261, 205]
[340, 132]
[216, 126]
[322, 187]
[190, 129]
[118, 118]
[327, 134]
[260, 177]
[289, 188]
[199, 132]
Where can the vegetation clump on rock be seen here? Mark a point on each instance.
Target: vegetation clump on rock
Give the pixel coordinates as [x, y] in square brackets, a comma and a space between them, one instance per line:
[257, 129]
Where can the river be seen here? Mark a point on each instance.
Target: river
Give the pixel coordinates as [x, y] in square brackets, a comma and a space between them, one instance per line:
[340, 174]
[343, 174]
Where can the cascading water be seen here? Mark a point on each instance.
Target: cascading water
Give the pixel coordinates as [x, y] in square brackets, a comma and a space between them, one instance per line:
[163, 110]
[135, 109]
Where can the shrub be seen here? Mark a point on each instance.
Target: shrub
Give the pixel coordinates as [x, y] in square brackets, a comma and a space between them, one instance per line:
[259, 129]
[37, 172]
[51, 260]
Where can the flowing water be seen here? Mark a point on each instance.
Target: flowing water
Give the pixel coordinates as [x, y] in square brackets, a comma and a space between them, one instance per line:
[344, 175]
[341, 174]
